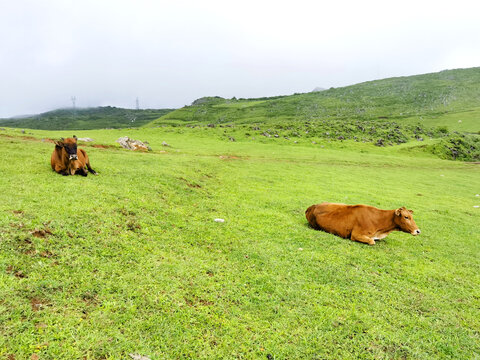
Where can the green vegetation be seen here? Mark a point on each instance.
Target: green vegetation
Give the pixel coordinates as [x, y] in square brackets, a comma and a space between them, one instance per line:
[83, 119]
[406, 100]
[132, 261]
[441, 106]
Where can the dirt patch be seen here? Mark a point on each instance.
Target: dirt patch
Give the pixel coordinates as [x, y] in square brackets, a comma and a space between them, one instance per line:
[196, 301]
[16, 272]
[42, 233]
[189, 184]
[227, 157]
[132, 225]
[100, 146]
[37, 304]
[47, 254]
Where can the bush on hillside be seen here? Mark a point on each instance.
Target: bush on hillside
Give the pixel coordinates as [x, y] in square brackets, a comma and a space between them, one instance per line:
[458, 147]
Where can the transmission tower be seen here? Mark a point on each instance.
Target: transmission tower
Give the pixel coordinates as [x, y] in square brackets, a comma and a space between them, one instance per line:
[137, 104]
[74, 99]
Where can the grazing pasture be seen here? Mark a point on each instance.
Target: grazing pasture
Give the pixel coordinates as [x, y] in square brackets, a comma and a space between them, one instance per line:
[132, 261]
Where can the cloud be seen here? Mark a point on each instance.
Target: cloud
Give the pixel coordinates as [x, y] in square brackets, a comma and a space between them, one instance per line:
[169, 53]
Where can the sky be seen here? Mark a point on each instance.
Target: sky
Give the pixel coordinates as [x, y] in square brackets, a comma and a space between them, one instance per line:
[169, 53]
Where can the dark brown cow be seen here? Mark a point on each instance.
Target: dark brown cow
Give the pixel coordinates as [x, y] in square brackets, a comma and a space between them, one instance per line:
[67, 160]
[360, 222]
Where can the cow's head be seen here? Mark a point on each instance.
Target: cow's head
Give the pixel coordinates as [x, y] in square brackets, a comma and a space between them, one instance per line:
[70, 146]
[404, 221]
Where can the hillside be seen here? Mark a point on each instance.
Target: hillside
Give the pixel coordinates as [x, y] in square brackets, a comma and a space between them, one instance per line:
[84, 119]
[443, 106]
[430, 99]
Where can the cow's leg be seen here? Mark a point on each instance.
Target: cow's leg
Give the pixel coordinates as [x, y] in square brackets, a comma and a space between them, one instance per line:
[80, 171]
[362, 238]
[61, 170]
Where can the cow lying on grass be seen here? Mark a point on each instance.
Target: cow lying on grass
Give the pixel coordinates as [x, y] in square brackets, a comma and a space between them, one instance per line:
[360, 222]
[67, 160]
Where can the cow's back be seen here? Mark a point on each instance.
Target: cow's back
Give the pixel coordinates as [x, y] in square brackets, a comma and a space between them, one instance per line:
[338, 219]
[56, 160]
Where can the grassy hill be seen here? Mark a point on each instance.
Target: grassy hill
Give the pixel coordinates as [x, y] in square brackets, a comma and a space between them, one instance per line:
[430, 99]
[443, 106]
[132, 261]
[89, 118]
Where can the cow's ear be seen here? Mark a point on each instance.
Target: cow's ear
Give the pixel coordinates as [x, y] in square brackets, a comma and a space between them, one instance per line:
[58, 143]
[398, 212]
[410, 211]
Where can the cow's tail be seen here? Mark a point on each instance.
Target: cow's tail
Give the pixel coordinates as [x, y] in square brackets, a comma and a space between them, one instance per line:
[90, 169]
[87, 163]
[311, 217]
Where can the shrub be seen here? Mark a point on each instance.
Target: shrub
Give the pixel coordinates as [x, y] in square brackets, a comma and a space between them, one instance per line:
[458, 147]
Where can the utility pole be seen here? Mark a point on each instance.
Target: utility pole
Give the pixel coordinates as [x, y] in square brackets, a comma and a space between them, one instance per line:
[137, 104]
[74, 99]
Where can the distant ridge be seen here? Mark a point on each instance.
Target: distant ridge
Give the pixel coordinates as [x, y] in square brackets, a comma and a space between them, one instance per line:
[85, 118]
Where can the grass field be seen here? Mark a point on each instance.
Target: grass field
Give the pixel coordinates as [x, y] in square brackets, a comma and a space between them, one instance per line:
[132, 261]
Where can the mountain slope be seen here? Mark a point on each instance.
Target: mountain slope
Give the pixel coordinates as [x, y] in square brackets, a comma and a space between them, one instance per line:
[425, 98]
[85, 119]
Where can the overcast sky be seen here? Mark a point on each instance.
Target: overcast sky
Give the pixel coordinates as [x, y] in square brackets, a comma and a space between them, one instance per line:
[169, 53]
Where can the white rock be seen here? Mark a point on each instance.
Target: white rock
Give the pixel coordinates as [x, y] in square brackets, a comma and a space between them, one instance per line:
[131, 144]
[138, 357]
[219, 220]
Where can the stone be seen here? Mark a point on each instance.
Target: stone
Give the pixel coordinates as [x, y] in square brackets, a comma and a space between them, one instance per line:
[132, 144]
[138, 357]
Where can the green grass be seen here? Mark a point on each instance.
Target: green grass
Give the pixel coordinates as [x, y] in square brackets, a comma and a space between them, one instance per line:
[463, 121]
[136, 264]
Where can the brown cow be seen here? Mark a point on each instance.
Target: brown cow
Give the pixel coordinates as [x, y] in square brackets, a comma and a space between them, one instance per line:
[66, 160]
[360, 222]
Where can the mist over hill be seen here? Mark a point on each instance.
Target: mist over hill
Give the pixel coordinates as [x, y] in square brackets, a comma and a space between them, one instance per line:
[85, 118]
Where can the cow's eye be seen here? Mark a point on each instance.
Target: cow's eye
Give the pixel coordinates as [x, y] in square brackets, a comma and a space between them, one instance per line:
[406, 217]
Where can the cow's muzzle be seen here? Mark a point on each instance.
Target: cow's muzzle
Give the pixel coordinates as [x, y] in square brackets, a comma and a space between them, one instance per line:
[416, 232]
[73, 157]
